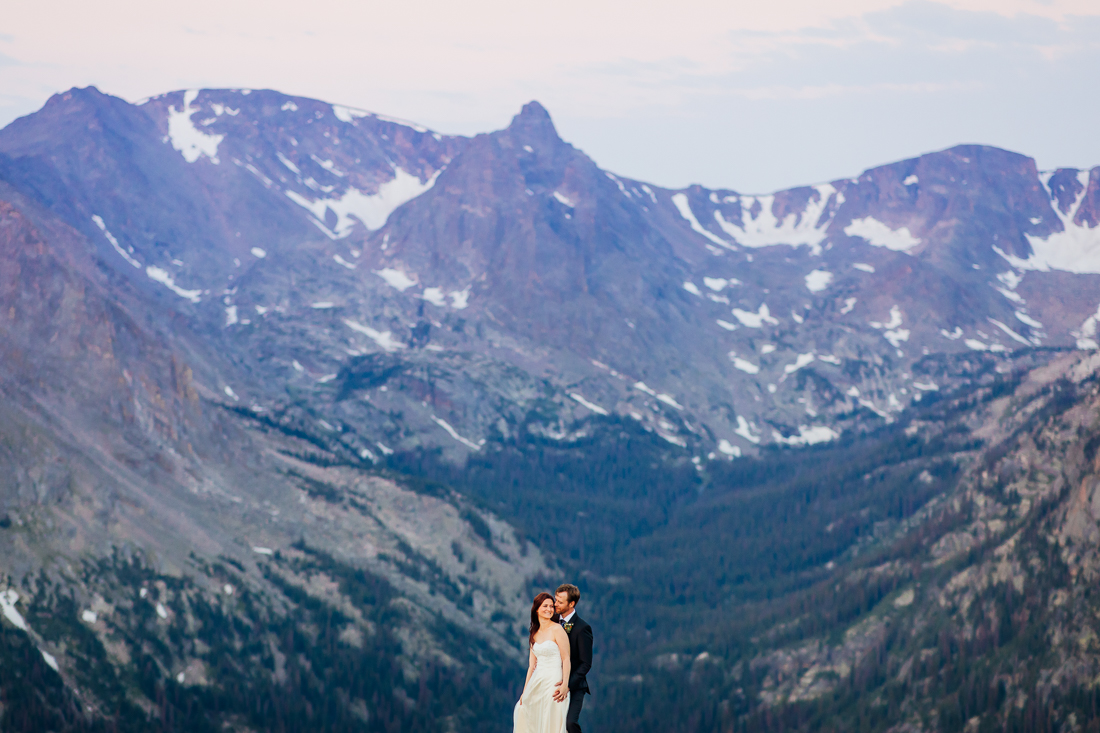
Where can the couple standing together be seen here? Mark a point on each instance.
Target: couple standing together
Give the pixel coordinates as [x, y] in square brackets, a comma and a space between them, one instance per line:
[559, 660]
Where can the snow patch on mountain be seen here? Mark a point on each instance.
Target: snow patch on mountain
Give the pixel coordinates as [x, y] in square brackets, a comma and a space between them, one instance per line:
[114, 242]
[879, 234]
[729, 449]
[396, 279]
[563, 200]
[288, 163]
[673, 439]
[460, 298]
[435, 297]
[191, 142]
[757, 319]
[745, 431]
[667, 399]
[454, 433]
[351, 114]
[802, 229]
[372, 210]
[670, 401]
[383, 338]
[896, 336]
[164, 278]
[743, 364]
[1028, 320]
[808, 435]
[718, 284]
[1011, 334]
[818, 280]
[220, 109]
[800, 361]
[8, 599]
[328, 165]
[894, 322]
[1086, 333]
[1010, 280]
[893, 334]
[680, 201]
[1074, 249]
[348, 114]
[590, 405]
[978, 345]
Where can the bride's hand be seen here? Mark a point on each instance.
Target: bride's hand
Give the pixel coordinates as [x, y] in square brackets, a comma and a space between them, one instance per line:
[560, 691]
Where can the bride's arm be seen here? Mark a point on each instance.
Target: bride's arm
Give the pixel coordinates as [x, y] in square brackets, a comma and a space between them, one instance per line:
[562, 640]
[531, 664]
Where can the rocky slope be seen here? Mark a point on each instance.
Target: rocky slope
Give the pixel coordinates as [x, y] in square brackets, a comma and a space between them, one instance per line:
[303, 236]
[140, 504]
[977, 612]
[229, 315]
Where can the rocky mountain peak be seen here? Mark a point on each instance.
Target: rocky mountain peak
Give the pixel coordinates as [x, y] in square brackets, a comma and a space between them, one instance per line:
[533, 125]
[77, 96]
[68, 114]
[532, 111]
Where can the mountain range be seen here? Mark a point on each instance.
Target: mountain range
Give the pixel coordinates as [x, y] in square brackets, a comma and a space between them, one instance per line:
[293, 392]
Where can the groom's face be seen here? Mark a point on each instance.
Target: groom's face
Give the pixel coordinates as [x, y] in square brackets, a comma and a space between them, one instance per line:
[561, 603]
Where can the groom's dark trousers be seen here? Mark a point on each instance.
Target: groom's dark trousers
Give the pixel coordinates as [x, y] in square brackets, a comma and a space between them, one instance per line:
[580, 661]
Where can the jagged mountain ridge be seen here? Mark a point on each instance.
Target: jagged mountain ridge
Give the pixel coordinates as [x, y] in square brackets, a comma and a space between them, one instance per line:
[717, 318]
[121, 463]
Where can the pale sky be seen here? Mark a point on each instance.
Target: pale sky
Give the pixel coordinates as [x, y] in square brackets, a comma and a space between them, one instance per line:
[753, 96]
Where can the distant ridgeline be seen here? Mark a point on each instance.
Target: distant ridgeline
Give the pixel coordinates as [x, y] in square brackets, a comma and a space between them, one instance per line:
[301, 404]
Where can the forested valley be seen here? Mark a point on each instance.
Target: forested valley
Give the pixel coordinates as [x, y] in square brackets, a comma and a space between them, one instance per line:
[694, 575]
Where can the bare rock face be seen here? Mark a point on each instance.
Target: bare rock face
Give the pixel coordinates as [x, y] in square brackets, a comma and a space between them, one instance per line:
[294, 232]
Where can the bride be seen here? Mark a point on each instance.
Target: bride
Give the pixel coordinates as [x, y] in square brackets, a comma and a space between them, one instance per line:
[536, 711]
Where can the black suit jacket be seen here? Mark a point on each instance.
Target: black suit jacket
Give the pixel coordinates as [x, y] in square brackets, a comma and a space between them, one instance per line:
[580, 654]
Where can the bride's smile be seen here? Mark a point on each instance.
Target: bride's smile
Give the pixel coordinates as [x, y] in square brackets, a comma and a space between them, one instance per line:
[546, 610]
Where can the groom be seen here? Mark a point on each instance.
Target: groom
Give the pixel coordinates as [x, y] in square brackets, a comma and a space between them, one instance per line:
[580, 653]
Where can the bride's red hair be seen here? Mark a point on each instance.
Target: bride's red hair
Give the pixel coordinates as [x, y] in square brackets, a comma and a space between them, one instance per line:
[539, 600]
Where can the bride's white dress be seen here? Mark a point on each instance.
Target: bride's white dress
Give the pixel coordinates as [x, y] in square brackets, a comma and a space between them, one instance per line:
[539, 713]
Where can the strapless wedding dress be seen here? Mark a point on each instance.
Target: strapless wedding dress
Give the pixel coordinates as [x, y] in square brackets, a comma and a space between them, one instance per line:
[539, 713]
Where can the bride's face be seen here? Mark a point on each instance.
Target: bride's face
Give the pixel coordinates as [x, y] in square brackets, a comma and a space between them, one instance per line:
[546, 610]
